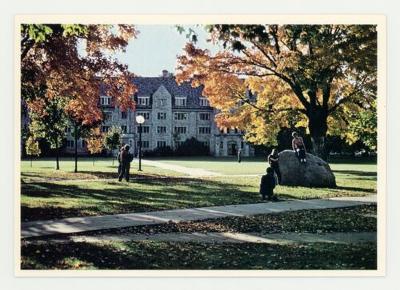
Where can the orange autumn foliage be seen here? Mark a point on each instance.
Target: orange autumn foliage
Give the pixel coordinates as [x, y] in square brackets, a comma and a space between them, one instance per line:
[74, 62]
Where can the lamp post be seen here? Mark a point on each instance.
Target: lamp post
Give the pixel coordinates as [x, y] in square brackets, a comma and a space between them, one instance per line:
[140, 121]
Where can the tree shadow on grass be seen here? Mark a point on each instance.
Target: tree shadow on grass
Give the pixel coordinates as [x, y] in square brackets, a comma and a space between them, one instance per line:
[162, 255]
[89, 175]
[140, 195]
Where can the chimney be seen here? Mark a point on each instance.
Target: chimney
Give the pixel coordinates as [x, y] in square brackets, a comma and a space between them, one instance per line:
[165, 73]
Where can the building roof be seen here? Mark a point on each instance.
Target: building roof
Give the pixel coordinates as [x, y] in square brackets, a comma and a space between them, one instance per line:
[148, 85]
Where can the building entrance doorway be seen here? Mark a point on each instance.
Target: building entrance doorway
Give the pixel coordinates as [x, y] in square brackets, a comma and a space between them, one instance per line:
[232, 148]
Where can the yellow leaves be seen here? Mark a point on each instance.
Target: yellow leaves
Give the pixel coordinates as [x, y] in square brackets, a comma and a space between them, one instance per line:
[303, 122]
[95, 141]
[252, 103]
[32, 147]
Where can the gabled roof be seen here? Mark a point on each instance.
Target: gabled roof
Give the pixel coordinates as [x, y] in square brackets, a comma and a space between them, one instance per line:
[148, 85]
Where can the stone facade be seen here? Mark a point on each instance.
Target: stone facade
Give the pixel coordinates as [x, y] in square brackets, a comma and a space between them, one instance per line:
[173, 113]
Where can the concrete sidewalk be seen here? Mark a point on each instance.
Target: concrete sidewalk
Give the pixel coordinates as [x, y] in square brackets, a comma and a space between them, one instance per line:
[92, 223]
[194, 172]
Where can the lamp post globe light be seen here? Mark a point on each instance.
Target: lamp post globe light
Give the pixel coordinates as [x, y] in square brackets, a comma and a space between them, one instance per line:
[140, 121]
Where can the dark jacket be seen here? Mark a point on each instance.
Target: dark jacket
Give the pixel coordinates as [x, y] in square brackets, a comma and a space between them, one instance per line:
[267, 183]
[125, 157]
[273, 161]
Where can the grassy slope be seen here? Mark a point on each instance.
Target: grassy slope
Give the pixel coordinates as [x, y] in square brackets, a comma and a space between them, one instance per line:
[49, 194]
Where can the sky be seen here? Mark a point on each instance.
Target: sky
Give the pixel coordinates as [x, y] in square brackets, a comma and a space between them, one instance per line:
[156, 48]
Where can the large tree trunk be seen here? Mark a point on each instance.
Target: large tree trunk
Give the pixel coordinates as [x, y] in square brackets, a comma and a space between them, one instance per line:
[318, 126]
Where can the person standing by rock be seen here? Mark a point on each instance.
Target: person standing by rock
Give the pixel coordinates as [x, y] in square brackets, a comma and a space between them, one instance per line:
[298, 147]
[125, 159]
[273, 160]
[267, 185]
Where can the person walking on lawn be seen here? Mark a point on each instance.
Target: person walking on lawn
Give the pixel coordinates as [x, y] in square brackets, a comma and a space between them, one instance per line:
[239, 155]
[125, 158]
[267, 185]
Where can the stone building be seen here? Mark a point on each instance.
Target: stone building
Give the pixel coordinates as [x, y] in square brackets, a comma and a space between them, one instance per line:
[172, 113]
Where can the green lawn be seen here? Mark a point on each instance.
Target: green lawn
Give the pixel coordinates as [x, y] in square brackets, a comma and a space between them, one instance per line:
[257, 165]
[87, 169]
[47, 193]
[199, 256]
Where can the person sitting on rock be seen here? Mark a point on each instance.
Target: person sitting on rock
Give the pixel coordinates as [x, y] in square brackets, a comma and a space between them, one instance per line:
[273, 160]
[267, 185]
[298, 147]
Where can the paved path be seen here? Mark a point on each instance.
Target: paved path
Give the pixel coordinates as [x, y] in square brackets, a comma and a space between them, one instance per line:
[227, 237]
[196, 172]
[83, 224]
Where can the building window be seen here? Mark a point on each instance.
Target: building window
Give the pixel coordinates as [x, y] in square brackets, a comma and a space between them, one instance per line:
[204, 102]
[180, 130]
[146, 115]
[162, 102]
[105, 100]
[70, 143]
[123, 129]
[145, 144]
[107, 116]
[161, 116]
[124, 115]
[180, 116]
[145, 130]
[68, 130]
[143, 101]
[205, 143]
[205, 116]
[83, 143]
[104, 129]
[180, 101]
[161, 144]
[178, 143]
[161, 129]
[204, 130]
[221, 145]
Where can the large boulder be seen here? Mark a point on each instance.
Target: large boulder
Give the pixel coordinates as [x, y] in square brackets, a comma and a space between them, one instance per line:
[314, 173]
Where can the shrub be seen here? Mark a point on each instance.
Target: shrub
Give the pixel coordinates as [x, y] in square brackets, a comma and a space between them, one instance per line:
[192, 147]
[160, 151]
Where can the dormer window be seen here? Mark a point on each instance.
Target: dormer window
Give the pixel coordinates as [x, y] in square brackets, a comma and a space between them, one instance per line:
[143, 101]
[180, 101]
[204, 102]
[105, 100]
